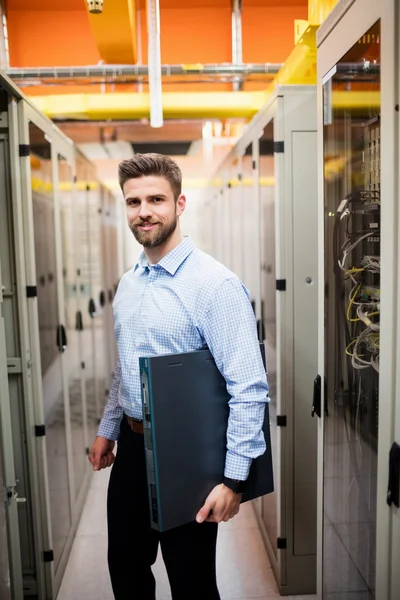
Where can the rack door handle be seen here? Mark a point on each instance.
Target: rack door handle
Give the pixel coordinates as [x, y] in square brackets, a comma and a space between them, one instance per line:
[316, 408]
[61, 338]
[78, 321]
[92, 308]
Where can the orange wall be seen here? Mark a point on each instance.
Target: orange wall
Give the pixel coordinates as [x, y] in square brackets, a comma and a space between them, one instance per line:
[268, 33]
[51, 38]
[195, 35]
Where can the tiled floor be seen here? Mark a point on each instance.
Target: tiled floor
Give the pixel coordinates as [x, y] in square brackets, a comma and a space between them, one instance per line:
[244, 572]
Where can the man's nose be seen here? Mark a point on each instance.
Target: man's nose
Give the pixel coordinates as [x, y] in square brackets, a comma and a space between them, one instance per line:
[145, 210]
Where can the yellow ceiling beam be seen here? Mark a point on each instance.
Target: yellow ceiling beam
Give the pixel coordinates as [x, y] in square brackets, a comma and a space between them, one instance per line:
[115, 31]
[191, 105]
[357, 100]
[318, 10]
[300, 68]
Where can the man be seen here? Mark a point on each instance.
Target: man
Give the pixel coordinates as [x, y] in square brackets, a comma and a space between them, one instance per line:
[176, 299]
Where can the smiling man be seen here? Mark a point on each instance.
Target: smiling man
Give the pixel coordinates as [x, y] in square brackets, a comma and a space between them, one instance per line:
[176, 299]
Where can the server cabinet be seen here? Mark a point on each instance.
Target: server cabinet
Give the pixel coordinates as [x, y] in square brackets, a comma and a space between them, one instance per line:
[268, 197]
[11, 586]
[358, 227]
[45, 413]
[48, 339]
[86, 210]
[110, 245]
[293, 550]
[73, 308]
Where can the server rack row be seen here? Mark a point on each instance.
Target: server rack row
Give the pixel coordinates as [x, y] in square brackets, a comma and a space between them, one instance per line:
[59, 268]
[358, 222]
[262, 204]
[351, 334]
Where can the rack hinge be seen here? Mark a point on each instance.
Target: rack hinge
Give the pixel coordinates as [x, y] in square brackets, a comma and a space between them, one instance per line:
[279, 147]
[254, 165]
[48, 556]
[281, 543]
[281, 285]
[83, 365]
[281, 421]
[40, 430]
[24, 150]
[31, 291]
[87, 451]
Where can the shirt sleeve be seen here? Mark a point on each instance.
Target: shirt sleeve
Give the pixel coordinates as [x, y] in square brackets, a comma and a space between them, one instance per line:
[110, 424]
[230, 332]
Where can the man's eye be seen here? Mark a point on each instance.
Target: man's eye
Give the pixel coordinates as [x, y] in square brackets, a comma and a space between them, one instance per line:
[157, 199]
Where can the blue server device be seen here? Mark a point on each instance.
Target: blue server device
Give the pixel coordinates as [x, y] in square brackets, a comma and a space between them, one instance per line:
[185, 416]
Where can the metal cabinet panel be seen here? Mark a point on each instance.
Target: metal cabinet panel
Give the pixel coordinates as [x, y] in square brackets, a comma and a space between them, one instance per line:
[355, 522]
[10, 551]
[305, 266]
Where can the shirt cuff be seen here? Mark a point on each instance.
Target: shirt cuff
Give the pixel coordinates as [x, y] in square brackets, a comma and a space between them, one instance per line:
[109, 429]
[237, 467]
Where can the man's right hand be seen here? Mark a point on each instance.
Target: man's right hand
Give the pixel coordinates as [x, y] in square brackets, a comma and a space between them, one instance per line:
[101, 455]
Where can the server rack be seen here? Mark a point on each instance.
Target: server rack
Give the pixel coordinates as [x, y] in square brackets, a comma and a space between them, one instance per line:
[10, 553]
[264, 197]
[358, 532]
[45, 410]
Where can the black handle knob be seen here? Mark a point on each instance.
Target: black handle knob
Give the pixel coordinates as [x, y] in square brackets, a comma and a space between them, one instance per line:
[92, 308]
[110, 296]
[317, 395]
[61, 338]
[79, 321]
[393, 495]
[102, 298]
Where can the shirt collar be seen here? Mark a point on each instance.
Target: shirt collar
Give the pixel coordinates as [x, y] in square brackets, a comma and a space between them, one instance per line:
[173, 260]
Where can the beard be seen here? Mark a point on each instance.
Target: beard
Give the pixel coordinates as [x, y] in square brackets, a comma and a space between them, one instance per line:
[161, 233]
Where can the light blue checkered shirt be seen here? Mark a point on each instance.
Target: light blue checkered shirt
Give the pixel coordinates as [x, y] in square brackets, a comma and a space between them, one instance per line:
[186, 301]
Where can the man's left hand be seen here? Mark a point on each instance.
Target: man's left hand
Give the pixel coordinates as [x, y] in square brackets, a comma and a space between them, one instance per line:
[223, 503]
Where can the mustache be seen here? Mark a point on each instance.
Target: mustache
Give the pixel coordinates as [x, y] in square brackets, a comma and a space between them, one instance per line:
[145, 222]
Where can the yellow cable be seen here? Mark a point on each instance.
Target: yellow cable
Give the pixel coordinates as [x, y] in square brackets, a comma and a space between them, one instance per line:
[351, 304]
[354, 270]
[347, 349]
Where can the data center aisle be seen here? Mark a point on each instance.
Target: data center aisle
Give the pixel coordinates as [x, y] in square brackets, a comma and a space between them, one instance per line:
[244, 572]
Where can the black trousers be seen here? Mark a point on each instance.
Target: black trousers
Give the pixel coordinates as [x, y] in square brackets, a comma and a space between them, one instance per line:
[188, 551]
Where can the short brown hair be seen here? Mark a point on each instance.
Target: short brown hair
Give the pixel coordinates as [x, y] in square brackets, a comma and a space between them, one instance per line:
[143, 165]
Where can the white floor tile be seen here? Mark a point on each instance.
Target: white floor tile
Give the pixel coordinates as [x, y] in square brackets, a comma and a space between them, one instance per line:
[94, 515]
[87, 576]
[243, 569]
[100, 479]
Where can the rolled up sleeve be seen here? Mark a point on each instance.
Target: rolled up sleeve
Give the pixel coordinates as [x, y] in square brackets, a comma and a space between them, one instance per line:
[230, 332]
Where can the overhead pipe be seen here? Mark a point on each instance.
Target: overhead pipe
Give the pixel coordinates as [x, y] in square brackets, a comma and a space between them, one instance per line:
[154, 61]
[4, 53]
[237, 41]
[114, 71]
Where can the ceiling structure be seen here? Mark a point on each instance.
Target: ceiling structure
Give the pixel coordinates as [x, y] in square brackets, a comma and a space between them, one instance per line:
[192, 34]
